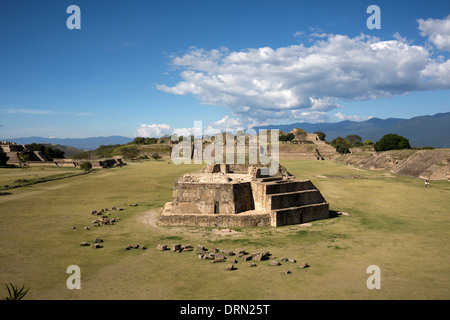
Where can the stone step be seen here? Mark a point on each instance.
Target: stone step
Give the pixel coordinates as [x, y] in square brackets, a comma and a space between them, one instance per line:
[289, 186]
[270, 179]
[294, 199]
[302, 214]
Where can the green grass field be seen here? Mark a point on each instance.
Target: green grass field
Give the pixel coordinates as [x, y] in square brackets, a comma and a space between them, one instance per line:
[394, 222]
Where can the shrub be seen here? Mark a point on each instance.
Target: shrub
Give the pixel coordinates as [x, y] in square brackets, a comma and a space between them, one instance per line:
[392, 141]
[321, 135]
[342, 145]
[342, 149]
[354, 140]
[3, 157]
[86, 166]
[156, 156]
[14, 293]
[129, 152]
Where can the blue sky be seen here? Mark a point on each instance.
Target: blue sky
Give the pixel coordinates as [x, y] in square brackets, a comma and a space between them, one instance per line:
[148, 67]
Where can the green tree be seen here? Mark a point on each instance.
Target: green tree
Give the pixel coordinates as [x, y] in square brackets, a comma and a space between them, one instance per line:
[3, 157]
[49, 152]
[354, 139]
[138, 140]
[290, 137]
[23, 157]
[342, 149]
[53, 153]
[367, 142]
[129, 152]
[342, 145]
[321, 135]
[86, 166]
[392, 141]
[156, 156]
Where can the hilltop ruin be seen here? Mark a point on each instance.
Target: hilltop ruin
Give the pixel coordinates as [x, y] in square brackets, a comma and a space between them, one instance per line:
[223, 195]
[15, 153]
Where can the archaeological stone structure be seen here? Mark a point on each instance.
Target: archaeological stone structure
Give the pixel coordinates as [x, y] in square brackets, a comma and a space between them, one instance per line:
[15, 152]
[223, 195]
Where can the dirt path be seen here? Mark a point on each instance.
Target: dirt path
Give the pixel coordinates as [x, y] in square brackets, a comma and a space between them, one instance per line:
[150, 217]
[18, 196]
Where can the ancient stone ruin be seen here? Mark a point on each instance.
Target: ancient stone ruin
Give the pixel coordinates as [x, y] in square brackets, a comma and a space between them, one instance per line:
[15, 153]
[223, 195]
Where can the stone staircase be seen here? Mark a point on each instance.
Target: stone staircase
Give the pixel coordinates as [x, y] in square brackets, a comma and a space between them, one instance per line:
[291, 201]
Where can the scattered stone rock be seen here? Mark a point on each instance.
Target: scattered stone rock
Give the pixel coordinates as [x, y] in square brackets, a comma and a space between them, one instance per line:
[292, 260]
[86, 228]
[283, 259]
[303, 265]
[208, 256]
[274, 263]
[247, 257]
[287, 271]
[176, 248]
[73, 227]
[240, 252]
[252, 264]
[218, 258]
[200, 248]
[97, 240]
[84, 243]
[230, 267]
[228, 252]
[96, 246]
[135, 246]
[261, 256]
[161, 247]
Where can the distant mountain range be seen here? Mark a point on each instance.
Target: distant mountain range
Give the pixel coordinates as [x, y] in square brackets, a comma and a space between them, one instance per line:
[422, 131]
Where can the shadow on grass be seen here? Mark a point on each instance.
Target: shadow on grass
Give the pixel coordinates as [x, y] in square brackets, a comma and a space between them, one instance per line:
[334, 213]
[5, 193]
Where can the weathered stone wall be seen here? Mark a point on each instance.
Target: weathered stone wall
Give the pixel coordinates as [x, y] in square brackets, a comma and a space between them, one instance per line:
[294, 199]
[298, 215]
[243, 197]
[211, 198]
[215, 220]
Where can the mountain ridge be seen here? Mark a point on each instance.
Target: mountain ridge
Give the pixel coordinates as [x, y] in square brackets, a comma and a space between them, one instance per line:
[422, 131]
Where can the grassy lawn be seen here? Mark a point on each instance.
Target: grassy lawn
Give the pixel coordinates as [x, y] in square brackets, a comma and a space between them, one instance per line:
[394, 222]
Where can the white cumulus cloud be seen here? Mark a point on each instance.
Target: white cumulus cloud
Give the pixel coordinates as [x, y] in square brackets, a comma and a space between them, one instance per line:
[437, 31]
[298, 82]
[154, 130]
[341, 116]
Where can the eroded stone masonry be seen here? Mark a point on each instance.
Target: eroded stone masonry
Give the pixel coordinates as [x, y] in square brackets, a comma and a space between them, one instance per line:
[223, 195]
